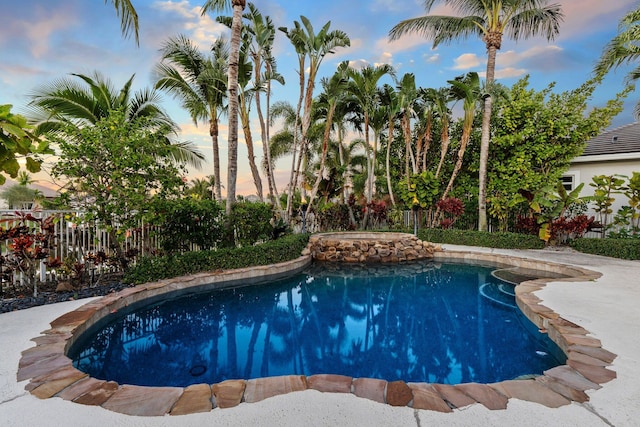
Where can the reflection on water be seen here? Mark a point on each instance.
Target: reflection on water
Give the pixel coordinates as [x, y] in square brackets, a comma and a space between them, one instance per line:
[417, 322]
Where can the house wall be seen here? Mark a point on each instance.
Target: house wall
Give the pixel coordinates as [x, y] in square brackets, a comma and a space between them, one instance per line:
[583, 172]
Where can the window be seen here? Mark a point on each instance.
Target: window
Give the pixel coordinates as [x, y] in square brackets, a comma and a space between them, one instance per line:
[568, 182]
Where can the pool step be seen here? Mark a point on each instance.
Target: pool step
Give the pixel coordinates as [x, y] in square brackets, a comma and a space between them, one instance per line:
[499, 293]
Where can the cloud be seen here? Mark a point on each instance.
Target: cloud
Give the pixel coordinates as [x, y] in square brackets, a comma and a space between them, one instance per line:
[466, 61]
[39, 29]
[590, 16]
[201, 29]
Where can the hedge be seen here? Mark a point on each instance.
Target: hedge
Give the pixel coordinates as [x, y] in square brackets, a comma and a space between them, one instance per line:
[616, 248]
[500, 240]
[150, 269]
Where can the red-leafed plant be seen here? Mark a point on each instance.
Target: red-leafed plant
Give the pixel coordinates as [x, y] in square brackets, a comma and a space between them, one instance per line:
[29, 241]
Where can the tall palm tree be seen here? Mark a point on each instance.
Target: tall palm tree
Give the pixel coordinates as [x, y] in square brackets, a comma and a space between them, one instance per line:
[364, 87]
[407, 98]
[466, 89]
[315, 46]
[94, 98]
[490, 20]
[334, 92]
[391, 106]
[128, 18]
[247, 93]
[263, 31]
[232, 86]
[200, 83]
[623, 49]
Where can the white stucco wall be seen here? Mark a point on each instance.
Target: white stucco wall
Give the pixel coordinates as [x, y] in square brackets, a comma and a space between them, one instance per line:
[584, 171]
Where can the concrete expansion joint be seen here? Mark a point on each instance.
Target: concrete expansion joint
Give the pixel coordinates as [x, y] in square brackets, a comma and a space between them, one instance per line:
[594, 411]
[14, 398]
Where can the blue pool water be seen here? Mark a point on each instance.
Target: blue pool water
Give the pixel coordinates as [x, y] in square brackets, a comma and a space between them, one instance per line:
[419, 322]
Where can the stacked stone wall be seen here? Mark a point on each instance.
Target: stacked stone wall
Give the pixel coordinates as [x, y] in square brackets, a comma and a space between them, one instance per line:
[369, 247]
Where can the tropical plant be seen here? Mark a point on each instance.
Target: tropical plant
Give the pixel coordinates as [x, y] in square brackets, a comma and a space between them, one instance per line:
[56, 105]
[490, 20]
[605, 186]
[29, 241]
[333, 93]
[128, 18]
[623, 49]
[17, 140]
[264, 70]
[364, 88]
[200, 83]
[467, 89]
[315, 47]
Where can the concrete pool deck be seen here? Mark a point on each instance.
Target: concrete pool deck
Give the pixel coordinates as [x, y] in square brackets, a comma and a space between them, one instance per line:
[607, 308]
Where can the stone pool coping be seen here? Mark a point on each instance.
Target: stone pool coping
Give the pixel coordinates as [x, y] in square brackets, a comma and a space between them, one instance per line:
[51, 372]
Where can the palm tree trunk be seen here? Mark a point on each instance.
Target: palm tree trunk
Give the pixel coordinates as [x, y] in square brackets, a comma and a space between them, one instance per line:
[232, 140]
[293, 177]
[266, 141]
[325, 148]
[246, 128]
[484, 141]
[214, 132]
[388, 163]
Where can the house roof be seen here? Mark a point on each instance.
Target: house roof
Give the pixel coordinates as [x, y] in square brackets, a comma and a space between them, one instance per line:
[624, 139]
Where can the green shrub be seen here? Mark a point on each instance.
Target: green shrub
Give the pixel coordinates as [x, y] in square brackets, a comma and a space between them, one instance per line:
[616, 248]
[501, 240]
[274, 251]
[251, 222]
[184, 222]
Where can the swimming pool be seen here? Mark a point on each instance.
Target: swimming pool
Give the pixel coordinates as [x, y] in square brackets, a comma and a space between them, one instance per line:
[420, 322]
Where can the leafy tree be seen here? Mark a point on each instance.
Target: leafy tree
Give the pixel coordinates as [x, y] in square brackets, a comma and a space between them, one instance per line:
[18, 140]
[536, 135]
[114, 169]
[490, 20]
[18, 195]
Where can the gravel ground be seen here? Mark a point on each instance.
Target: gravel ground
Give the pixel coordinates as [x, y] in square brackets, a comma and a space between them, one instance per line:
[21, 302]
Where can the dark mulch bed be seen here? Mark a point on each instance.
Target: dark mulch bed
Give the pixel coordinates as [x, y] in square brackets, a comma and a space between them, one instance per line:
[21, 299]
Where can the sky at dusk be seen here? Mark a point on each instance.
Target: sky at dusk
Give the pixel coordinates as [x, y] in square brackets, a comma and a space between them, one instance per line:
[45, 40]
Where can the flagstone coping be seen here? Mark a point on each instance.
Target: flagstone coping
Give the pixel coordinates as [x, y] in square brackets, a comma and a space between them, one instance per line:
[52, 374]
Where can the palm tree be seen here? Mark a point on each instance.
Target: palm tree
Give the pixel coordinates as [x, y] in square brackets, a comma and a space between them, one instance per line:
[407, 98]
[466, 89]
[200, 189]
[85, 104]
[489, 19]
[264, 70]
[247, 93]
[391, 107]
[232, 86]
[623, 49]
[128, 18]
[314, 46]
[364, 87]
[200, 83]
[334, 93]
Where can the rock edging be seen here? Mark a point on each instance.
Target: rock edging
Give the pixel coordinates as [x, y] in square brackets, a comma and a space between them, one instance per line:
[52, 374]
